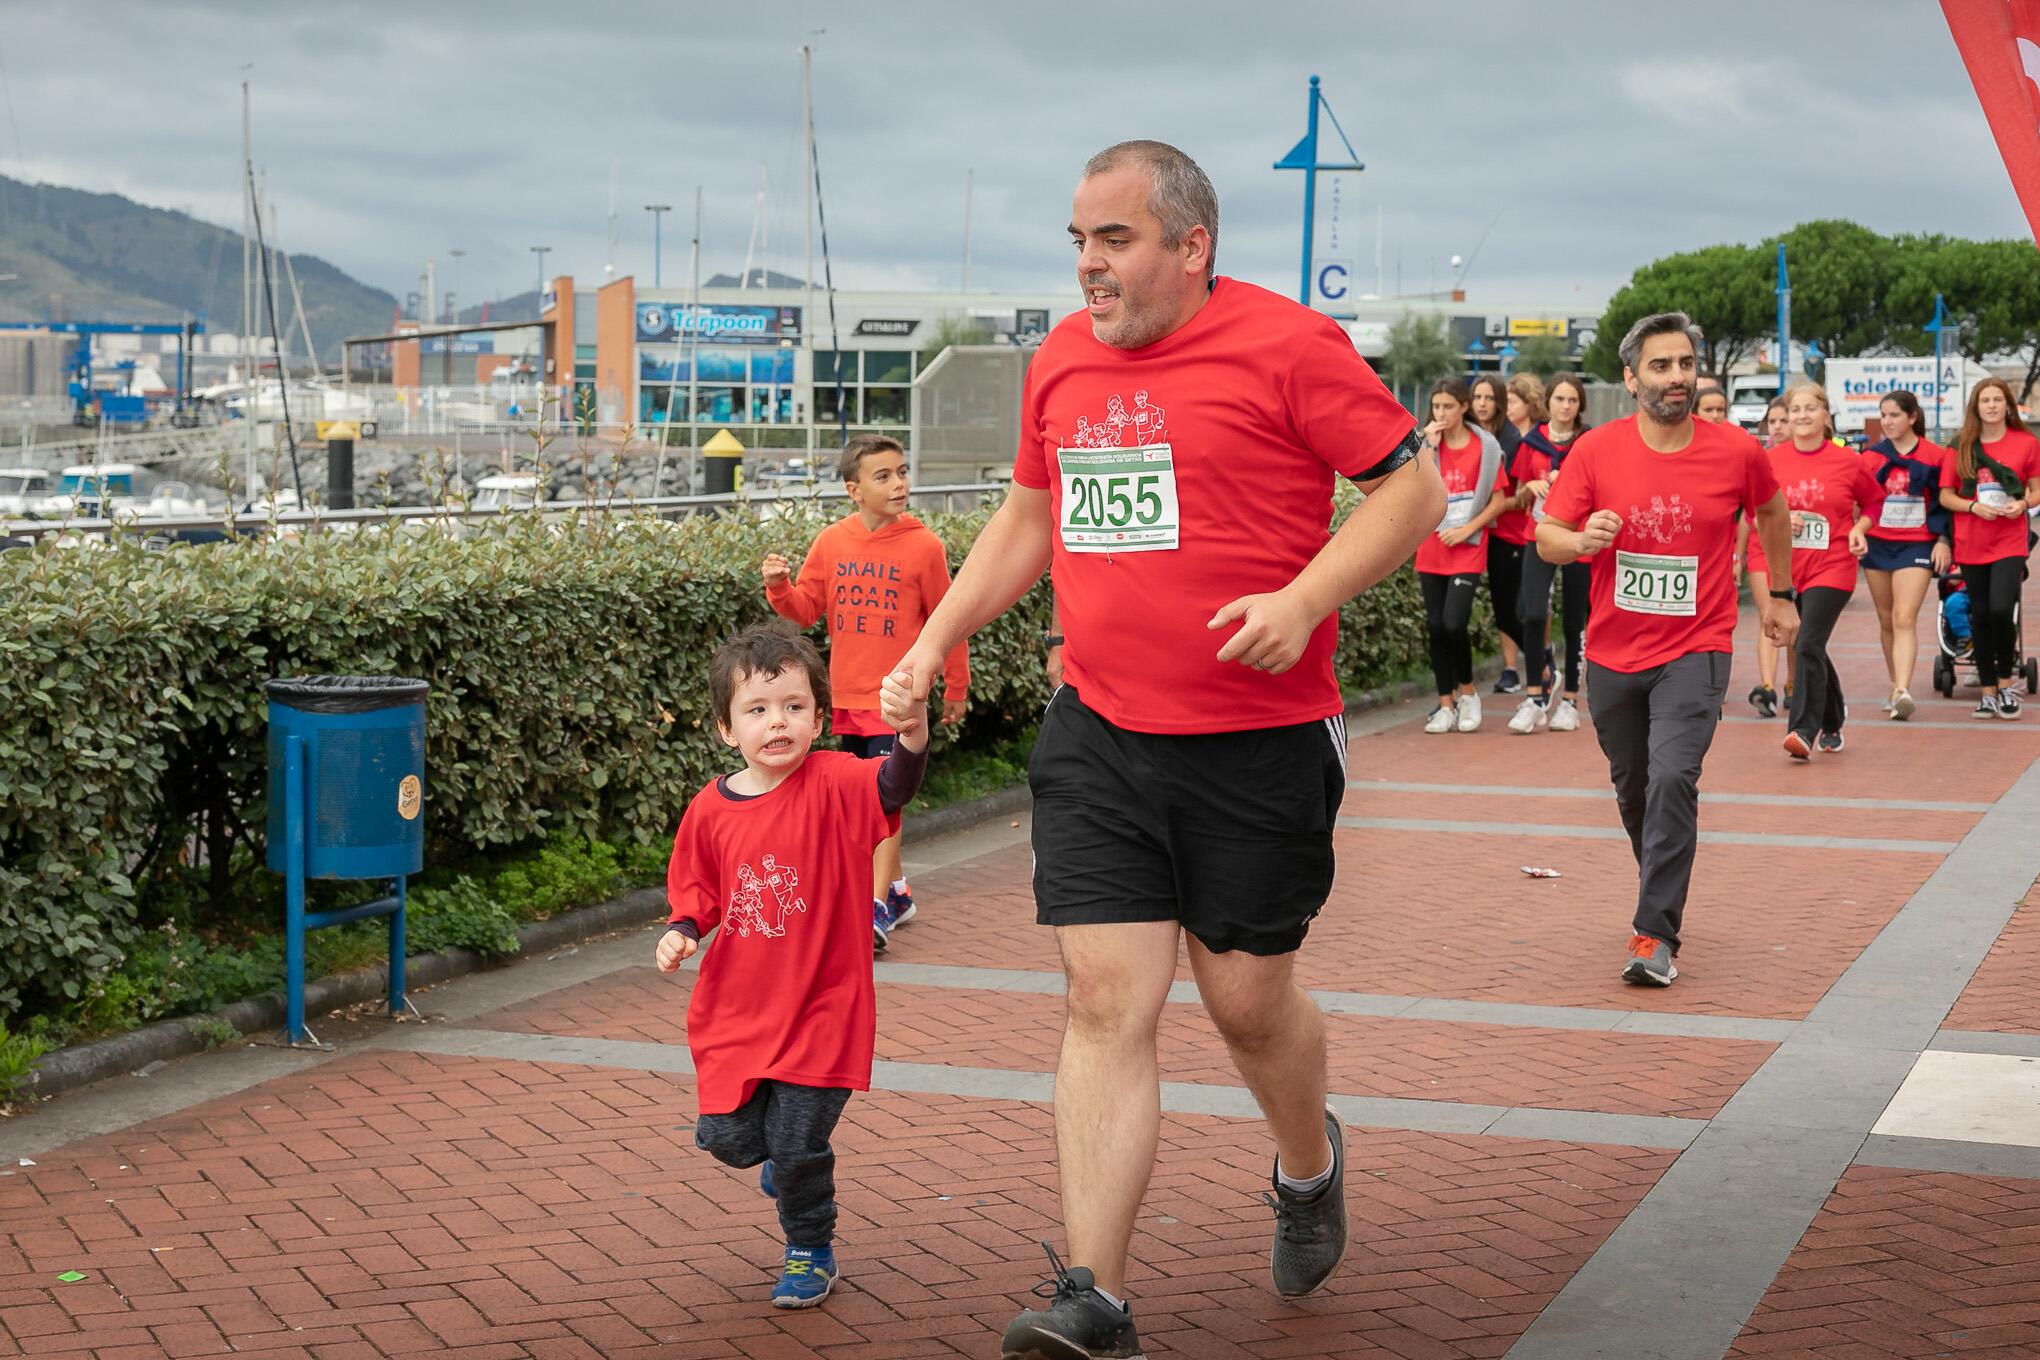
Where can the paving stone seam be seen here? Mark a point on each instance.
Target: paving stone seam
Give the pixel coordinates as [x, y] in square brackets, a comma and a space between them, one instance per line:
[1601, 795]
[1778, 840]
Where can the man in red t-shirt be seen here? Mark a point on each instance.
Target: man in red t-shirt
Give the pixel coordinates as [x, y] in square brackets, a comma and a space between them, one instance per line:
[1190, 770]
[1651, 500]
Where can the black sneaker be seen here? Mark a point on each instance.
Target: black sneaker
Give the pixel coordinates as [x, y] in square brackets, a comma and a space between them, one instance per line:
[1078, 1323]
[1829, 742]
[1310, 1230]
[2008, 704]
[1986, 707]
[1509, 682]
[1765, 701]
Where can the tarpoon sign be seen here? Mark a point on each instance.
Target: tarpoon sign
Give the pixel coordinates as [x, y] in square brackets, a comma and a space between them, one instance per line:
[722, 325]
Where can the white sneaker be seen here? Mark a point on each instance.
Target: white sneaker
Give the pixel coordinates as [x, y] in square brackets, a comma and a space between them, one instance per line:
[1441, 720]
[1468, 706]
[1902, 705]
[1531, 714]
[1565, 716]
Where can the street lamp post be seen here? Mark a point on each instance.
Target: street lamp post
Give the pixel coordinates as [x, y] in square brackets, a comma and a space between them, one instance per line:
[541, 252]
[658, 212]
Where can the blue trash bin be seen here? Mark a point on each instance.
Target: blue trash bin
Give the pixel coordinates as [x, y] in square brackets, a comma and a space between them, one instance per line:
[346, 800]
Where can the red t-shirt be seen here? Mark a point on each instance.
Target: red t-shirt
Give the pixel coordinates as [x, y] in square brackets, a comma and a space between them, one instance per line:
[1979, 540]
[1664, 590]
[1512, 526]
[785, 991]
[1830, 487]
[1261, 402]
[1460, 467]
[1903, 516]
[1532, 464]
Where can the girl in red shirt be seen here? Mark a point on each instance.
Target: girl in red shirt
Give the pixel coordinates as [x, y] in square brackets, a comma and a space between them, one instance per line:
[1450, 561]
[1832, 497]
[1750, 556]
[1909, 542]
[1494, 407]
[1987, 480]
[1540, 457]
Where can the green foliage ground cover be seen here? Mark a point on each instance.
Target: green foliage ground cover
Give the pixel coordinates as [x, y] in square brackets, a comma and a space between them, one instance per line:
[566, 727]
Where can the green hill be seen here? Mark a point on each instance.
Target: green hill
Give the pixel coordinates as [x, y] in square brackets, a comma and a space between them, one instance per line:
[100, 257]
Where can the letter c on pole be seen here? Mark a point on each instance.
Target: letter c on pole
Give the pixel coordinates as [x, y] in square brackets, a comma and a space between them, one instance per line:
[1326, 288]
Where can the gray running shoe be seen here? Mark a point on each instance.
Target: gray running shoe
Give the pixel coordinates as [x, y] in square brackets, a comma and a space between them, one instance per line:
[1650, 962]
[1078, 1323]
[1310, 1230]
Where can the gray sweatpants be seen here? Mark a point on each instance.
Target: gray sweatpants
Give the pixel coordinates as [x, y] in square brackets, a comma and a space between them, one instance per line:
[789, 1125]
[1655, 727]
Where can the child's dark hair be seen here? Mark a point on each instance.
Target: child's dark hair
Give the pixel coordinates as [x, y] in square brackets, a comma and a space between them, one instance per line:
[849, 464]
[768, 649]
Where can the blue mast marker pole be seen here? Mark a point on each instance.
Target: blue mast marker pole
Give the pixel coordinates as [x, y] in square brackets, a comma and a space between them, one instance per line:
[1936, 326]
[1309, 194]
[1784, 322]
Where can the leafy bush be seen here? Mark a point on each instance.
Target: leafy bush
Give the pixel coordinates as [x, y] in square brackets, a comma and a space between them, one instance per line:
[458, 917]
[18, 1053]
[568, 700]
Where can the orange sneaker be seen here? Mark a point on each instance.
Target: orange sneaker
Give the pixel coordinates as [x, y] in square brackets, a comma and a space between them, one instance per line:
[1650, 962]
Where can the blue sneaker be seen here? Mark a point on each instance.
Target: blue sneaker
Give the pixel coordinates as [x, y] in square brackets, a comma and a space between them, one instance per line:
[765, 1181]
[901, 905]
[806, 1279]
[881, 925]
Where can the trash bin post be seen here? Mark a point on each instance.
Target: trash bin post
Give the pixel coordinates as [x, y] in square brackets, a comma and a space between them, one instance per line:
[294, 889]
[397, 948]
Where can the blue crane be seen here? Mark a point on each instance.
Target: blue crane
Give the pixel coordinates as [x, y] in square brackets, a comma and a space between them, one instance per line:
[116, 408]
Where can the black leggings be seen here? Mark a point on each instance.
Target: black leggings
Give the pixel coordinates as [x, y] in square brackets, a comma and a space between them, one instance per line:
[1534, 605]
[1817, 698]
[1504, 586]
[1448, 614]
[1993, 596]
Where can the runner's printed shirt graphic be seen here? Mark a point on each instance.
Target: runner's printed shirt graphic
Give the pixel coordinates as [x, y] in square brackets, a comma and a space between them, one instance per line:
[1460, 469]
[1214, 450]
[1979, 540]
[784, 881]
[1902, 518]
[1826, 490]
[1665, 589]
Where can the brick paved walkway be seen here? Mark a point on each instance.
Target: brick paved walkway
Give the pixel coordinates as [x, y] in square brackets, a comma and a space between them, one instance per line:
[1824, 1141]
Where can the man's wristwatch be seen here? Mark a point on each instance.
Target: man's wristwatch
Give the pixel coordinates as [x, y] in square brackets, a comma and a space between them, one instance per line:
[1786, 595]
[1051, 639]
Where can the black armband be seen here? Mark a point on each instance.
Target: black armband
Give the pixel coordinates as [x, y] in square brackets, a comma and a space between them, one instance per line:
[1405, 452]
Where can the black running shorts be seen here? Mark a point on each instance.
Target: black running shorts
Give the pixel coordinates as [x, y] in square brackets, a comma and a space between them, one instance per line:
[1228, 834]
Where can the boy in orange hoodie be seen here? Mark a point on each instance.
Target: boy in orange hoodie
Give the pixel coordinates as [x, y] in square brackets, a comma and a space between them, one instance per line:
[876, 576]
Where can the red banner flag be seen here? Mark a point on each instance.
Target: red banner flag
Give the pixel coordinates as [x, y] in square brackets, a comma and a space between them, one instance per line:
[2000, 44]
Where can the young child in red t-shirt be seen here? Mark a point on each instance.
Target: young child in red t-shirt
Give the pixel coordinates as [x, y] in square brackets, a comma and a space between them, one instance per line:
[875, 576]
[782, 1019]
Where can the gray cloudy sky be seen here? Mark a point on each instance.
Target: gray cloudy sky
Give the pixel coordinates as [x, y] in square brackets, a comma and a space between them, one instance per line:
[1605, 134]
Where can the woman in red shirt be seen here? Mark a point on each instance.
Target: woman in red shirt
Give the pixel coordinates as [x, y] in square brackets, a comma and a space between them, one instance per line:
[1909, 541]
[1832, 497]
[1450, 561]
[1535, 470]
[1987, 479]
[1506, 540]
[1750, 557]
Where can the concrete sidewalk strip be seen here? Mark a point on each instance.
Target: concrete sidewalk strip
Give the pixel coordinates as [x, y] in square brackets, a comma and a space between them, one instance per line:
[984, 1083]
[1951, 1155]
[1603, 795]
[1979, 1041]
[1721, 1223]
[1853, 844]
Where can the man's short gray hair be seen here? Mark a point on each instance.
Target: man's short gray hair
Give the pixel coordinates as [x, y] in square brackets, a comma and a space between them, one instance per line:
[1179, 194]
[1659, 323]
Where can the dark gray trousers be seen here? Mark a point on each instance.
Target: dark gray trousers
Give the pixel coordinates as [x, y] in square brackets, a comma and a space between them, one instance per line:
[790, 1125]
[1655, 727]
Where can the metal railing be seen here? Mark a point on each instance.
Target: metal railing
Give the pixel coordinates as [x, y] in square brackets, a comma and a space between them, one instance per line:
[760, 499]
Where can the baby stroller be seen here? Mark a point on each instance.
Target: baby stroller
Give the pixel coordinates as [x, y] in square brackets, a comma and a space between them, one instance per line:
[1952, 632]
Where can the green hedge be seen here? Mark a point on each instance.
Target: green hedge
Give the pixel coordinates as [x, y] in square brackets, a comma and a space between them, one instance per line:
[566, 665]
